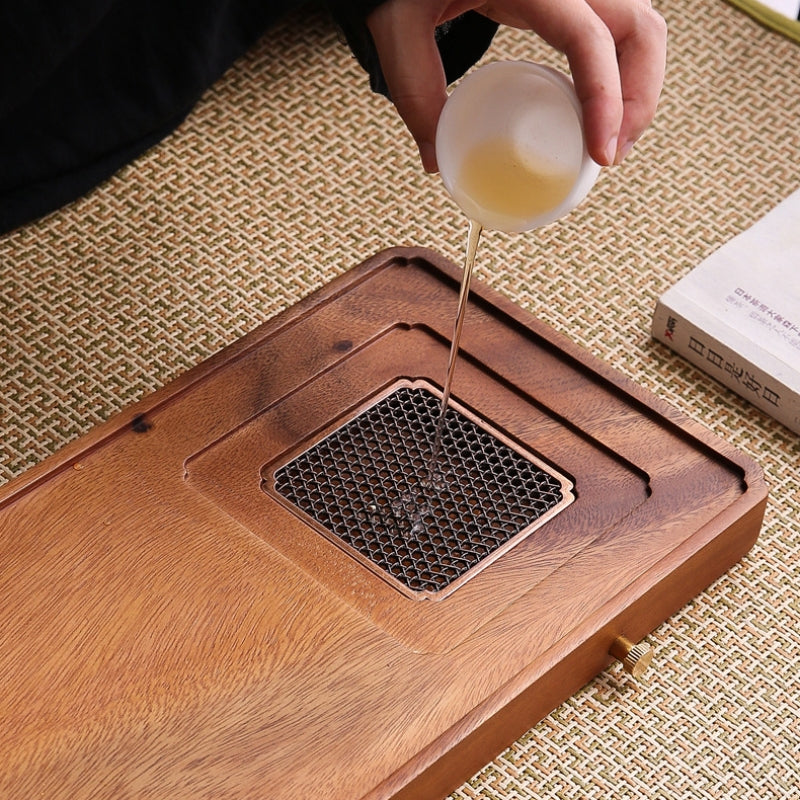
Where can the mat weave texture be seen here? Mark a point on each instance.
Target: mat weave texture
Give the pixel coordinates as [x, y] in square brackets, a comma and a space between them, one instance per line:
[289, 172]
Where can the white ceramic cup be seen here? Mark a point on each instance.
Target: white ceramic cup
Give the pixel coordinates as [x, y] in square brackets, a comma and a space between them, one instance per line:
[511, 147]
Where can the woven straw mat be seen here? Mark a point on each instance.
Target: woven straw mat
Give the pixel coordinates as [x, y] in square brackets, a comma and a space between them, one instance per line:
[289, 172]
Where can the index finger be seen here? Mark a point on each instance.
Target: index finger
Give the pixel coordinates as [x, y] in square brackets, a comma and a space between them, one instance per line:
[616, 50]
[640, 34]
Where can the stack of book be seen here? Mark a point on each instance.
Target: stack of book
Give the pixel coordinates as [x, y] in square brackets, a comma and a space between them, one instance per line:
[737, 314]
[781, 15]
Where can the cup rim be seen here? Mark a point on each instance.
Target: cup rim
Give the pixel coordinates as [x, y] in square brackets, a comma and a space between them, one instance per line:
[588, 169]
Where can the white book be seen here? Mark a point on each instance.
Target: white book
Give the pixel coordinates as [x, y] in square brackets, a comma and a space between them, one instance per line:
[737, 314]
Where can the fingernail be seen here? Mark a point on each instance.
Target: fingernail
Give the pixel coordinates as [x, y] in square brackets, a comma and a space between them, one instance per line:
[427, 152]
[623, 151]
[611, 150]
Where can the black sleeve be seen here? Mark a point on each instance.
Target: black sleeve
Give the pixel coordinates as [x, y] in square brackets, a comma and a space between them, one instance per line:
[88, 85]
[461, 42]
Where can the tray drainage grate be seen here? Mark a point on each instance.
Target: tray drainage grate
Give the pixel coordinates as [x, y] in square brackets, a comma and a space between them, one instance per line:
[369, 484]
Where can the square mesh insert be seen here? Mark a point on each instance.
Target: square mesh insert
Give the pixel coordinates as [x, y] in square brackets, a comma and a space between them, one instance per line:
[370, 484]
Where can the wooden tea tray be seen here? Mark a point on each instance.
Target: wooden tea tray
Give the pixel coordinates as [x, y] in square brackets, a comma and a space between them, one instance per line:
[171, 630]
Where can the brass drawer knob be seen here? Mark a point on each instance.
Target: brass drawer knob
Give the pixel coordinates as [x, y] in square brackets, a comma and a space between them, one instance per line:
[635, 658]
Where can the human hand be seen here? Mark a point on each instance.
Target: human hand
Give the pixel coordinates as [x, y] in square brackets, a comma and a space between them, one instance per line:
[616, 51]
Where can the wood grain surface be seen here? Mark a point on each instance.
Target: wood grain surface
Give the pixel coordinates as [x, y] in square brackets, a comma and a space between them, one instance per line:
[170, 629]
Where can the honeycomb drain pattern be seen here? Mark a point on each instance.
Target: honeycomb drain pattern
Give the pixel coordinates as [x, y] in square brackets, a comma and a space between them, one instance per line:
[369, 484]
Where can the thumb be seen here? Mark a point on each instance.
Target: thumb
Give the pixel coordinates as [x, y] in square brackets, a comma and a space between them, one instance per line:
[413, 70]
